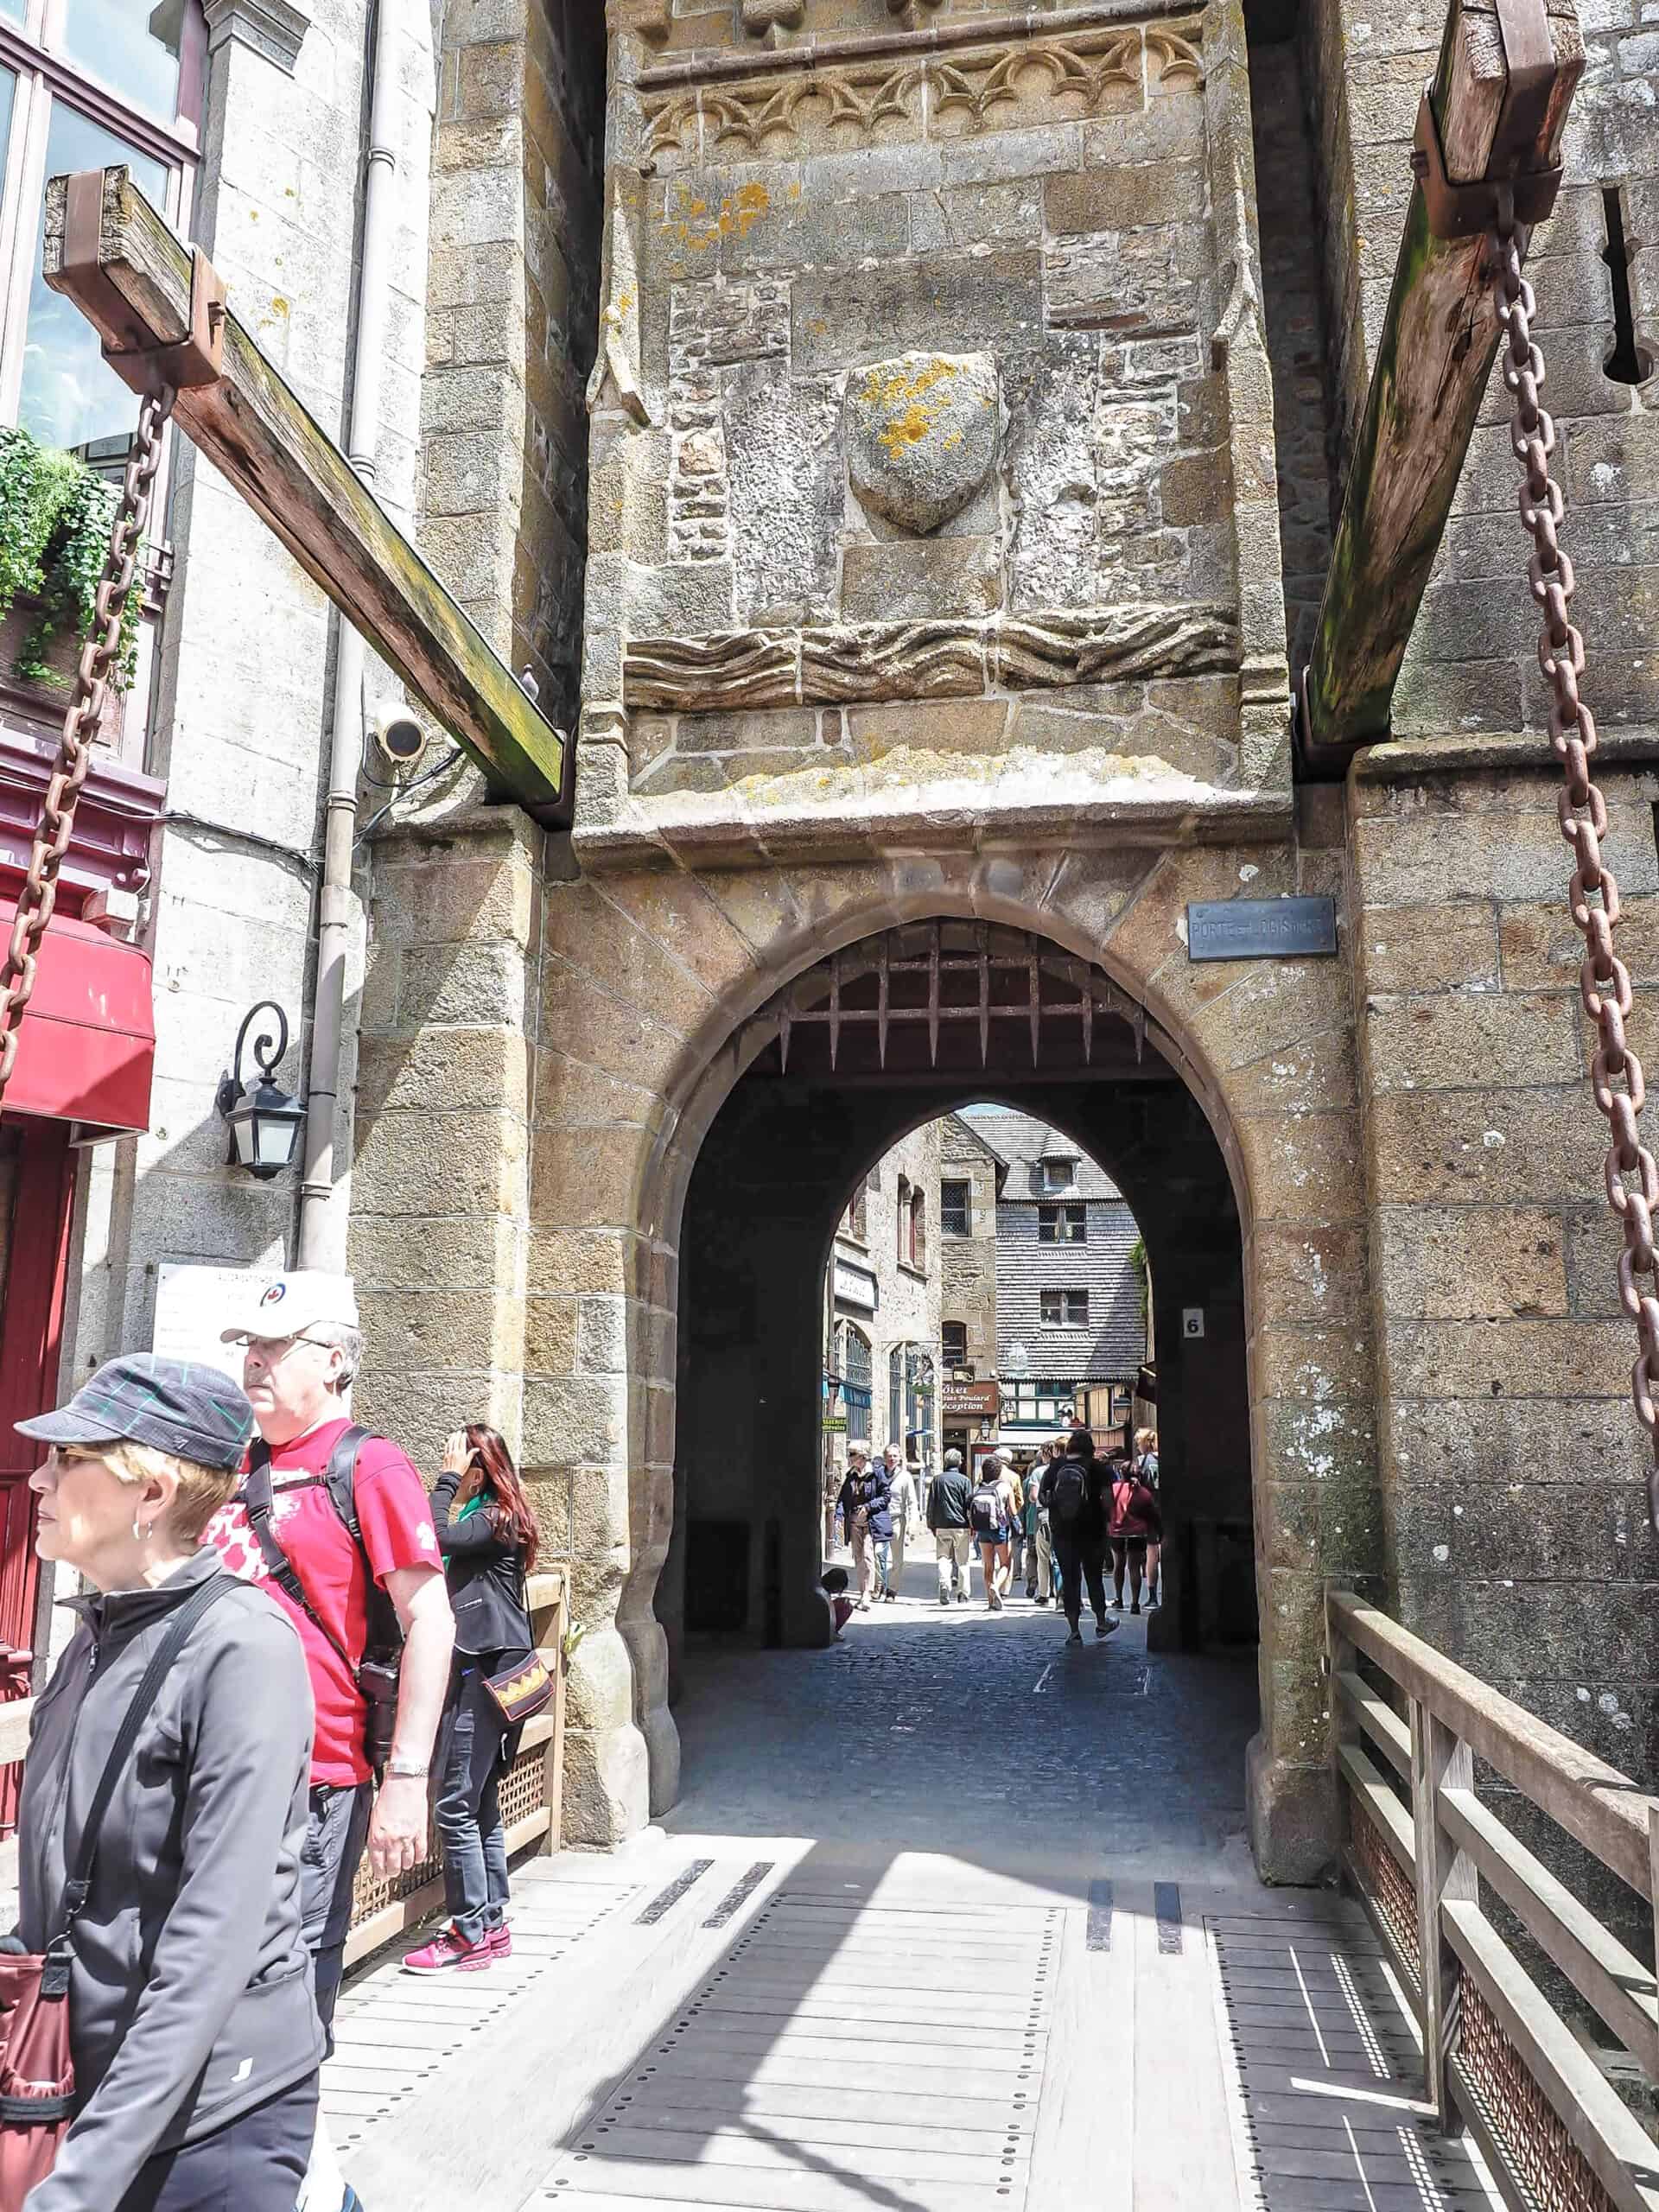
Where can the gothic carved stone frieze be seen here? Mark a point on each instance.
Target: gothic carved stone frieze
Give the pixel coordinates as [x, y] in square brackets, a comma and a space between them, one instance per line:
[921, 436]
[943, 658]
[1085, 74]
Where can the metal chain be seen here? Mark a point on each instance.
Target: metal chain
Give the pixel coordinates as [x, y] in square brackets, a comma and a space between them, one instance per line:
[1616, 1076]
[81, 721]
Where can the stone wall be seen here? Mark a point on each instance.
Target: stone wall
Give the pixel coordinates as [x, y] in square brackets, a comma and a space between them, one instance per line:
[1292, 302]
[1514, 1470]
[647, 980]
[242, 705]
[512, 324]
[919, 460]
[968, 1264]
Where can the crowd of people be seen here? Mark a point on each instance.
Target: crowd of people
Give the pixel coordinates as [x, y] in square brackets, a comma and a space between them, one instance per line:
[289, 1656]
[1056, 1525]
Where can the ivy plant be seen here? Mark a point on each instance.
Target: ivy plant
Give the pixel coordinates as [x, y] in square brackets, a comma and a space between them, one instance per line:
[54, 532]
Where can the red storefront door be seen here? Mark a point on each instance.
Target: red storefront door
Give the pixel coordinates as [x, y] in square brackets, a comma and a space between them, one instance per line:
[37, 1189]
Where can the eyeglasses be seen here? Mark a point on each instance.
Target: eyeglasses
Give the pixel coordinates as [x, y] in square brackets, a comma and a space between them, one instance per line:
[273, 1348]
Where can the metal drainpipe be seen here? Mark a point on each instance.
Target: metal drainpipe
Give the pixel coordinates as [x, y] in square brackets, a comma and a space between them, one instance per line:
[323, 1218]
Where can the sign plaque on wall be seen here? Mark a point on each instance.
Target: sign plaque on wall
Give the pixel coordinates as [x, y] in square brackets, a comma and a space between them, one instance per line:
[1261, 928]
[972, 1400]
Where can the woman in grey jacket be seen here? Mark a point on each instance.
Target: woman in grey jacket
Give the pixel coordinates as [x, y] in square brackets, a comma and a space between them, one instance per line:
[194, 2035]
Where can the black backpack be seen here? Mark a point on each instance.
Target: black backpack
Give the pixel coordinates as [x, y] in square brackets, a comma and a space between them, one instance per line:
[985, 1508]
[1069, 1494]
[378, 1673]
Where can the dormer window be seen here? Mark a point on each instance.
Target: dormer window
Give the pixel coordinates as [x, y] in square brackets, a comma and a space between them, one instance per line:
[1060, 1170]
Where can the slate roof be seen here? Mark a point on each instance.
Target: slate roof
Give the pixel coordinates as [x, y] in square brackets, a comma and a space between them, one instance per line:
[1113, 1342]
[1021, 1141]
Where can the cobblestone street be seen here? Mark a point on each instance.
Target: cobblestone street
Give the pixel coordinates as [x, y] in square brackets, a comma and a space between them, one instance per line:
[950, 1918]
[990, 1721]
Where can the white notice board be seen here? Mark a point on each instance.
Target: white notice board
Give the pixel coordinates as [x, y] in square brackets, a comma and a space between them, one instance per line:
[192, 1305]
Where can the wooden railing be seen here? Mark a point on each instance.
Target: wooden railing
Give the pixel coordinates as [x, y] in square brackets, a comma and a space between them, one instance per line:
[532, 1794]
[531, 1790]
[1424, 1850]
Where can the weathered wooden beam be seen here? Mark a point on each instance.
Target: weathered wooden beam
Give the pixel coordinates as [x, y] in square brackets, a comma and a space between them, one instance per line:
[259, 434]
[1433, 359]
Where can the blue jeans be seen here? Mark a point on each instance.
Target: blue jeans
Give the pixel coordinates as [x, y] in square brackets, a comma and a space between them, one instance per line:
[883, 1548]
[469, 1808]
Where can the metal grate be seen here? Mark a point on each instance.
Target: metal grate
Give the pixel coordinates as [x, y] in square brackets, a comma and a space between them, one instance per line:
[926, 980]
[1385, 1884]
[1523, 2125]
[852, 2050]
[523, 1790]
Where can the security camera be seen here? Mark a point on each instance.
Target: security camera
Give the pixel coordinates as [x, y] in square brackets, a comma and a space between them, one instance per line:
[399, 736]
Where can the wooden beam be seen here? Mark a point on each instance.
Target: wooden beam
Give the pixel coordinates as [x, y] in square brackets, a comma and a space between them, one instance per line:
[1433, 359]
[259, 434]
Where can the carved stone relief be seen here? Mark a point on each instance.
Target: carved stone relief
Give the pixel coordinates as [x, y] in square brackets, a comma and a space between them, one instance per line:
[966, 91]
[926, 660]
[921, 432]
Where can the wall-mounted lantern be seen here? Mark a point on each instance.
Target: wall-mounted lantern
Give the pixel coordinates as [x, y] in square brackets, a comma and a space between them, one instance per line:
[264, 1121]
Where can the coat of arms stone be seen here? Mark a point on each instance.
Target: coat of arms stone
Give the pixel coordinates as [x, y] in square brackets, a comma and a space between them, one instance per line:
[921, 436]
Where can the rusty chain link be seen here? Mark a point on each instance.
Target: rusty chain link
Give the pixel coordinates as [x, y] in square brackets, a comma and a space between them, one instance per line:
[1616, 1076]
[82, 720]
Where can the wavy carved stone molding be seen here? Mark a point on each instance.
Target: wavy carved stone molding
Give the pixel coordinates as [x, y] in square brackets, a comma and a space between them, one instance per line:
[946, 660]
[1080, 72]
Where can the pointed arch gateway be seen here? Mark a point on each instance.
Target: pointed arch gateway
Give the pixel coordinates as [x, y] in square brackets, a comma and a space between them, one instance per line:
[813, 1083]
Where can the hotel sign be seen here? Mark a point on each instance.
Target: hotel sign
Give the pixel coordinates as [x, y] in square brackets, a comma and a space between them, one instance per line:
[972, 1400]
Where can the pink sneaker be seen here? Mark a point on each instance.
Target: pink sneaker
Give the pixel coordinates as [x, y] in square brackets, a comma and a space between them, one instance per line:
[449, 1949]
[499, 1940]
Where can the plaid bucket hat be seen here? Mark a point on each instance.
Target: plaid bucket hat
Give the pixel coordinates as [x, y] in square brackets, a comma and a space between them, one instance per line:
[196, 1413]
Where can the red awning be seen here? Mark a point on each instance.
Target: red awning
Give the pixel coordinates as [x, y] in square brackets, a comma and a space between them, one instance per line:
[88, 1041]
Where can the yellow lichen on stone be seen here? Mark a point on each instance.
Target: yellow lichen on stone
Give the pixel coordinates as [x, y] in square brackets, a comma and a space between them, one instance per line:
[911, 400]
[697, 225]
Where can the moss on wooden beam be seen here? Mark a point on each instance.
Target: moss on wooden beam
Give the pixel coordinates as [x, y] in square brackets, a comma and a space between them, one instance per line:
[259, 434]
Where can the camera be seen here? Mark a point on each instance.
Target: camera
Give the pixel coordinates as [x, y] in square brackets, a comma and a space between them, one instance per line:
[400, 737]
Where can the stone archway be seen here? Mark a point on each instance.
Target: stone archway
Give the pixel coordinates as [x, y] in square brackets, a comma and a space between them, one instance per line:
[655, 979]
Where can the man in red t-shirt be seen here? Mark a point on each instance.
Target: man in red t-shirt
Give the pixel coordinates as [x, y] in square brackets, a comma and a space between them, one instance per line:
[302, 1349]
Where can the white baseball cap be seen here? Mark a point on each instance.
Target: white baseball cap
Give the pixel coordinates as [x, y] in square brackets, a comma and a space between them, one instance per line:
[286, 1306]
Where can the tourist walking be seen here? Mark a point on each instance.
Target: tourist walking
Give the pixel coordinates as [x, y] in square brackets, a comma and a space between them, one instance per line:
[487, 1533]
[831, 1509]
[863, 1502]
[948, 1495]
[1145, 1466]
[166, 1772]
[369, 1599]
[903, 1511]
[1135, 1521]
[1039, 1549]
[1075, 1490]
[991, 1508]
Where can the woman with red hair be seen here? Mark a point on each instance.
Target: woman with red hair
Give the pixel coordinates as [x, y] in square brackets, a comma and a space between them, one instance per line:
[487, 1533]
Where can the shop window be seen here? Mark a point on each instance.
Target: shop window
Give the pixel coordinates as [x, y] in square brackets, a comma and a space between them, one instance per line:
[953, 1209]
[857, 1374]
[1062, 1224]
[1065, 1309]
[896, 1394]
